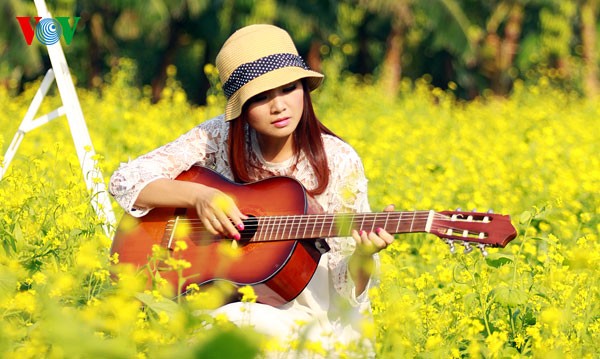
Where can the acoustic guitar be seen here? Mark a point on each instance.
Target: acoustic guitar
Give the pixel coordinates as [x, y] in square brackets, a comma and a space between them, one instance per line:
[283, 238]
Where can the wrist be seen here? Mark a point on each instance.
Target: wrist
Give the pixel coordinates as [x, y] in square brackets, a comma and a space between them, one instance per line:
[361, 264]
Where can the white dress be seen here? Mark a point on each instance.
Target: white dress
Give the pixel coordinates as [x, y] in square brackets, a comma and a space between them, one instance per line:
[329, 307]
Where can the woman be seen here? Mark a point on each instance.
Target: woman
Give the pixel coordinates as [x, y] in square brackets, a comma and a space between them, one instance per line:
[269, 129]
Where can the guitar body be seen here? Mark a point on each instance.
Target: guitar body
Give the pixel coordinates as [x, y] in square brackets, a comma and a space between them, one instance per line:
[278, 271]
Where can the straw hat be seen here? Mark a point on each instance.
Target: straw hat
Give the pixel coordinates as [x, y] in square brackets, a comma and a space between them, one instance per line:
[258, 58]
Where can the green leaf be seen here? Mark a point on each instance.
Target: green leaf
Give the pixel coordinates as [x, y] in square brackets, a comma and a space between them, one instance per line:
[8, 282]
[158, 305]
[498, 259]
[510, 297]
[229, 344]
[525, 217]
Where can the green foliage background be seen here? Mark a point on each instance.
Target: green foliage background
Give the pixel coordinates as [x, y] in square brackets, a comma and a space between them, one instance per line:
[469, 46]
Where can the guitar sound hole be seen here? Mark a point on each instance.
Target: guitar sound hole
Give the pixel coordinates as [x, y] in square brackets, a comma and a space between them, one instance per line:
[250, 228]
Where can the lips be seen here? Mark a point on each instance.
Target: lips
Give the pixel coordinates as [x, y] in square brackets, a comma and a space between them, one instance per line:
[281, 122]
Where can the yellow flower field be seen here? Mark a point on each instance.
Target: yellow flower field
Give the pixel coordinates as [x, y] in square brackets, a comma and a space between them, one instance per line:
[533, 156]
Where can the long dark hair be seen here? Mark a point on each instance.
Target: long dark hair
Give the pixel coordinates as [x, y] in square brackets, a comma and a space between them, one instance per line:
[307, 139]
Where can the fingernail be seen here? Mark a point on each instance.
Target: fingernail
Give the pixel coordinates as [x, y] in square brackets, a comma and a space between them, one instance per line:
[237, 236]
[379, 229]
[362, 231]
[240, 226]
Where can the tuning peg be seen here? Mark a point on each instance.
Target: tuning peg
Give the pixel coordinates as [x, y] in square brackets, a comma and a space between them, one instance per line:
[481, 247]
[468, 248]
[451, 244]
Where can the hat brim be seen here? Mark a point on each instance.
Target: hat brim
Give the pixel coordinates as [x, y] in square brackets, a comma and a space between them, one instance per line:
[268, 81]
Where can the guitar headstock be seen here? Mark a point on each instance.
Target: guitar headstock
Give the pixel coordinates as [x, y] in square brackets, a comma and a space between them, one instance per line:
[483, 229]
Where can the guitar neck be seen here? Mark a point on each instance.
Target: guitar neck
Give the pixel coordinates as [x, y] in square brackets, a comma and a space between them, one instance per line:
[295, 227]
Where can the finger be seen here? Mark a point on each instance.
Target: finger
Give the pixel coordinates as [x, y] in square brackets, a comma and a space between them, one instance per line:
[385, 236]
[237, 218]
[377, 241]
[208, 225]
[389, 208]
[227, 227]
[229, 215]
[366, 243]
[361, 236]
[356, 236]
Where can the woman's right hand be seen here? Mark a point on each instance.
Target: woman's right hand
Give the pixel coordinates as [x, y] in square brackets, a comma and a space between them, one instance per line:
[218, 212]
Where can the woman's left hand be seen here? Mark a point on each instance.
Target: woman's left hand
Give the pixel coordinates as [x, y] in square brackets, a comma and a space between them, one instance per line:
[369, 243]
[361, 262]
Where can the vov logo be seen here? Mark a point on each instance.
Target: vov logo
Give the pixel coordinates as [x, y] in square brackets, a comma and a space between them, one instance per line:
[48, 30]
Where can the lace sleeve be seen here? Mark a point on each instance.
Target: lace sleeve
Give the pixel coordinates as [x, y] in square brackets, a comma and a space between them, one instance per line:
[198, 146]
[349, 195]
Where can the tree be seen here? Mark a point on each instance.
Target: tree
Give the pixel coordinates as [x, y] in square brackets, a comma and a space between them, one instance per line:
[589, 11]
[501, 46]
[399, 13]
[20, 62]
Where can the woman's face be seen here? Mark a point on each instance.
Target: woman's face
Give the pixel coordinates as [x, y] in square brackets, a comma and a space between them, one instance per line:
[275, 114]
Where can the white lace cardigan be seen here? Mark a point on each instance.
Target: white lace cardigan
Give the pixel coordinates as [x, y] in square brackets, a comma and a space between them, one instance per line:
[206, 145]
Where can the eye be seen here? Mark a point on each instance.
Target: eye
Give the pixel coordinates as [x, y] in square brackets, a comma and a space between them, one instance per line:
[257, 98]
[290, 87]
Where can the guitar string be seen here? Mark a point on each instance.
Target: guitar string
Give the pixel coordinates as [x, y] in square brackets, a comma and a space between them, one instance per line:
[333, 218]
[271, 221]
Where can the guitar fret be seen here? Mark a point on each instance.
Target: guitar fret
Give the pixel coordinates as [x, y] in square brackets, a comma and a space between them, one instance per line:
[278, 227]
[304, 231]
[285, 226]
[349, 223]
[266, 227]
[314, 233]
[272, 225]
[346, 222]
[331, 222]
[374, 222]
[387, 217]
[362, 223]
[260, 229]
[322, 225]
[288, 226]
[399, 221]
[413, 221]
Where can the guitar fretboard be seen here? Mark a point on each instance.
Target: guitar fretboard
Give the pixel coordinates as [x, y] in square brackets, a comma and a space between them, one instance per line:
[277, 228]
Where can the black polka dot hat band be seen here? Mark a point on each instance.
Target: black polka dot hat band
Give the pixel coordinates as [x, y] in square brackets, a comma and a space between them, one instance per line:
[251, 70]
[258, 58]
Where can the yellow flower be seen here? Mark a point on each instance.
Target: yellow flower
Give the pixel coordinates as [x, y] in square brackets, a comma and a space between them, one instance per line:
[248, 294]
[163, 318]
[180, 246]
[495, 342]
[177, 264]
[39, 278]
[433, 342]
[26, 301]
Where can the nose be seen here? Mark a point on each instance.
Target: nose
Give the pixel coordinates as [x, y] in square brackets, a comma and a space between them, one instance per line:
[277, 103]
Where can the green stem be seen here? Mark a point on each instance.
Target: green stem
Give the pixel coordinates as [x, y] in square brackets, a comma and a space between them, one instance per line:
[481, 300]
[516, 260]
